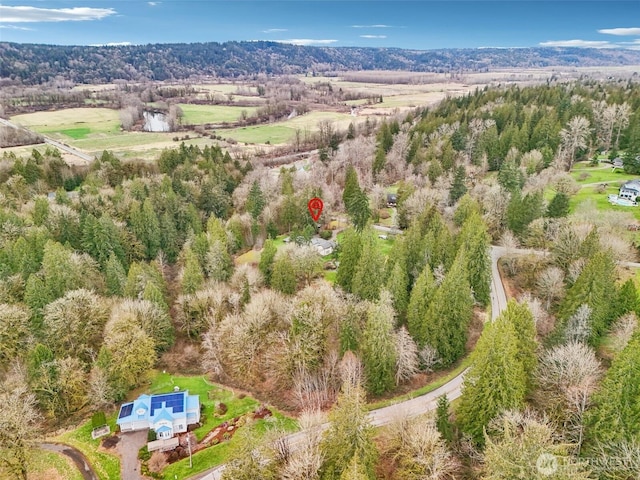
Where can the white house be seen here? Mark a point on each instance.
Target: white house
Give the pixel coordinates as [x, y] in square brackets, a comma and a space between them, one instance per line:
[630, 190]
[167, 414]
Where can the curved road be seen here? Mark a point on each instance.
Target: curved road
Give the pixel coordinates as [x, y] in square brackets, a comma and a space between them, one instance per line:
[424, 403]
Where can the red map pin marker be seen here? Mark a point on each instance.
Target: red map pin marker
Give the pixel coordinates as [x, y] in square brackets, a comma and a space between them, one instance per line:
[315, 207]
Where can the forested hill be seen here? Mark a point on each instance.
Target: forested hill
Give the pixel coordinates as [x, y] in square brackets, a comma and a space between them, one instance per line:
[34, 64]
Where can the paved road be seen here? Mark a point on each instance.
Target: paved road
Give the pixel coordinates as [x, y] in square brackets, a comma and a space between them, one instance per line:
[76, 455]
[59, 145]
[424, 403]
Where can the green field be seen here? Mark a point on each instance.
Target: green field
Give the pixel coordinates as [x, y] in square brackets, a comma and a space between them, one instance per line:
[72, 122]
[271, 133]
[199, 114]
[284, 132]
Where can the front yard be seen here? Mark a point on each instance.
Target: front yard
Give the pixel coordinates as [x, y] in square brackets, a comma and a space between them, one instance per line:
[107, 464]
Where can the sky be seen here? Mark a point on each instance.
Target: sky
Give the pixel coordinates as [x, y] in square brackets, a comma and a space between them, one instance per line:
[416, 24]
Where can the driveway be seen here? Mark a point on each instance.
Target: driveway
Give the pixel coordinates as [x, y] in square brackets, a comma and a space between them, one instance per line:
[128, 446]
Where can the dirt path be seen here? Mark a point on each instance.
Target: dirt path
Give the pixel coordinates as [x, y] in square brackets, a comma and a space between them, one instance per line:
[76, 455]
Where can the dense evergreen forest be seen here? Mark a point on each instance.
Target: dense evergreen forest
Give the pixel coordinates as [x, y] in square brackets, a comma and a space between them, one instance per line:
[110, 270]
[35, 64]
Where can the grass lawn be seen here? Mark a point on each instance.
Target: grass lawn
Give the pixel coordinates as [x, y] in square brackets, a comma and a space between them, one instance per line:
[601, 201]
[76, 133]
[106, 466]
[384, 245]
[199, 114]
[601, 176]
[330, 276]
[44, 465]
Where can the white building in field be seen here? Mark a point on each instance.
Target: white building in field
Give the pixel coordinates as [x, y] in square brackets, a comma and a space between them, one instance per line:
[630, 190]
[167, 414]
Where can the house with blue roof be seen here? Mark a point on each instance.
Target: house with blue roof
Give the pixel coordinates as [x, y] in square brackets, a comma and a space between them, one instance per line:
[167, 414]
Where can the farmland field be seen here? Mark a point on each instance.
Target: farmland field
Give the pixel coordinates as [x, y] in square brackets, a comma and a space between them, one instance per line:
[199, 114]
[77, 122]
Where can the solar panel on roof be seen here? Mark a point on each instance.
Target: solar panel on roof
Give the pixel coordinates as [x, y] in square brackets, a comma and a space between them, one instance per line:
[126, 410]
[171, 400]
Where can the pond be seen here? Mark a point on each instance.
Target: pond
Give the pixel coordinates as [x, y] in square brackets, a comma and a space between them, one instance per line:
[155, 122]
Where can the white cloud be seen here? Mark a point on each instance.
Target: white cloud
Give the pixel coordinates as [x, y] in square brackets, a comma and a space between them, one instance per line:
[153, 4]
[621, 31]
[275, 30]
[379, 25]
[34, 14]
[15, 27]
[373, 36]
[307, 41]
[577, 43]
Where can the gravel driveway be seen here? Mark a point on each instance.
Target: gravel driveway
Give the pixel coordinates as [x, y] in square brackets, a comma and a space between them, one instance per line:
[128, 446]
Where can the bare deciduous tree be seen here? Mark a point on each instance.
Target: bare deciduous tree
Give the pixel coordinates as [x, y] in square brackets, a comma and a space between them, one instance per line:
[19, 422]
[574, 137]
[550, 285]
[407, 362]
[429, 358]
[579, 325]
[305, 461]
[419, 450]
[623, 330]
[567, 376]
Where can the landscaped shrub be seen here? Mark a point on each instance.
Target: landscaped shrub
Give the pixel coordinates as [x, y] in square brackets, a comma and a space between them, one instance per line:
[222, 408]
[144, 454]
[98, 419]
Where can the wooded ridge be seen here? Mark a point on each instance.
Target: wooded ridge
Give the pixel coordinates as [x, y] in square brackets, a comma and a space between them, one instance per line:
[35, 64]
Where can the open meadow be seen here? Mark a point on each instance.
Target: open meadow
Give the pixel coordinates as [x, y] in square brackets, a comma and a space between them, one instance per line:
[94, 130]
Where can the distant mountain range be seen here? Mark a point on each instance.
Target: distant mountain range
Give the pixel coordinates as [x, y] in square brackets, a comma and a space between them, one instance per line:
[35, 64]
